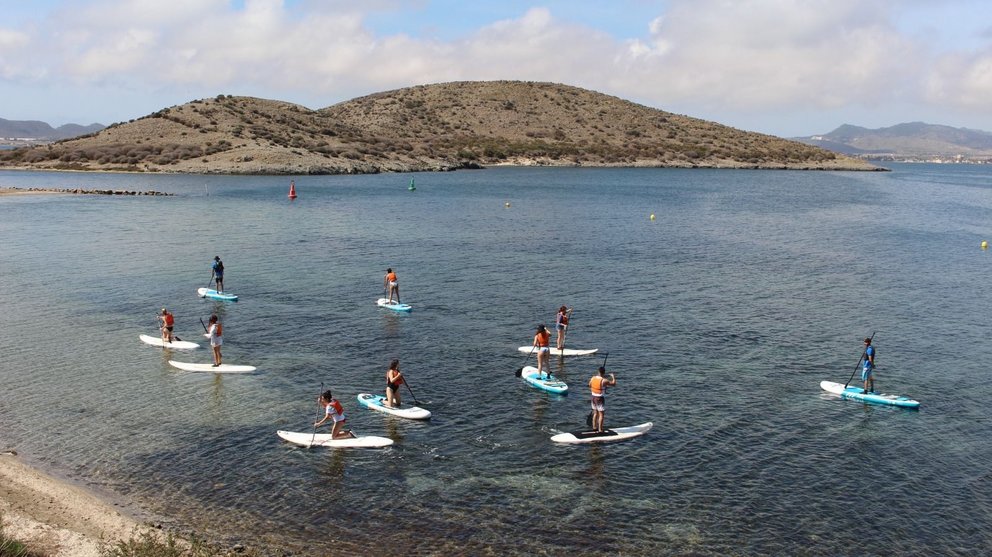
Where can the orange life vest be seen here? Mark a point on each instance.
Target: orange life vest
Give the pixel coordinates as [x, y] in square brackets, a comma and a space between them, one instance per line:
[543, 339]
[596, 384]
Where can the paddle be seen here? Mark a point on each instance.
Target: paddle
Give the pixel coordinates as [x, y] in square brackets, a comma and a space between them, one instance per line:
[203, 325]
[411, 392]
[863, 354]
[317, 418]
[529, 354]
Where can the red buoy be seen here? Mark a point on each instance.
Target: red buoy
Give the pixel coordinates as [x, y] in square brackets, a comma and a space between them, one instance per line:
[292, 189]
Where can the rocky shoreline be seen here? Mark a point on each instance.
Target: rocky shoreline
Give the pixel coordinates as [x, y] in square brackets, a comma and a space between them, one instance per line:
[15, 191]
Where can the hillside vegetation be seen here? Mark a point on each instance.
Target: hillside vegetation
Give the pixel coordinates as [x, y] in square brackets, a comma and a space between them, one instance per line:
[430, 127]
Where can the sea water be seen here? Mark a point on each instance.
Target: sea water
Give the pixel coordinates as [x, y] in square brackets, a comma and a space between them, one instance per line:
[720, 317]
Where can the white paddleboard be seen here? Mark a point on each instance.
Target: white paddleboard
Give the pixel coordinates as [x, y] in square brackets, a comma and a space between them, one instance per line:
[375, 402]
[179, 344]
[324, 440]
[610, 435]
[562, 352]
[384, 303]
[213, 294]
[223, 368]
[857, 392]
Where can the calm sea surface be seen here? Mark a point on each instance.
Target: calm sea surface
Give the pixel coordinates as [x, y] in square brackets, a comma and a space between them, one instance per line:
[720, 317]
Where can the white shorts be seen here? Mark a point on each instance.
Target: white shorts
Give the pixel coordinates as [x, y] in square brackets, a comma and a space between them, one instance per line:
[544, 350]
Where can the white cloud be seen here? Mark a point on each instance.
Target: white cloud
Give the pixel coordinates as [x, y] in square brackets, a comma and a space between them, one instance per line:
[710, 56]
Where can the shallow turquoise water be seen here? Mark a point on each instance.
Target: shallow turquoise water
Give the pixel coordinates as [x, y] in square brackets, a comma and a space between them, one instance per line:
[720, 317]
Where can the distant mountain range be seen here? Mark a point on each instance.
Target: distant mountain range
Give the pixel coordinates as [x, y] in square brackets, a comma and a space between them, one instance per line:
[36, 130]
[914, 140]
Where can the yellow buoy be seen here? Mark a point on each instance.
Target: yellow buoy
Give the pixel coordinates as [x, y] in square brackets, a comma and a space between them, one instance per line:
[985, 244]
[652, 216]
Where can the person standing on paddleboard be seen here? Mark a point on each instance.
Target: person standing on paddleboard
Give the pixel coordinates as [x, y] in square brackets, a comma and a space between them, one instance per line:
[217, 273]
[335, 412]
[394, 378]
[542, 343]
[215, 332]
[168, 322]
[561, 324]
[392, 284]
[597, 386]
[868, 367]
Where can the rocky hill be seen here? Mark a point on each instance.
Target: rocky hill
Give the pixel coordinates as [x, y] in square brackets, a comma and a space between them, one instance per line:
[913, 139]
[430, 127]
[37, 130]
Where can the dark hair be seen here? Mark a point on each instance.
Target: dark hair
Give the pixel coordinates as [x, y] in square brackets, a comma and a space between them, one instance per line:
[394, 364]
[326, 395]
[216, 258]
[389, 269]
[541, 327]
[602, 370]
[213, 319]
[867, 341]
[563, 308]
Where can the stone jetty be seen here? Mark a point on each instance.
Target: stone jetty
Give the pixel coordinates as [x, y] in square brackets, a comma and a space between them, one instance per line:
[13, 190]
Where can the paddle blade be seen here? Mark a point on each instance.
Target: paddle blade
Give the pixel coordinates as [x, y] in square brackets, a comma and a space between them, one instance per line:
[519, 371]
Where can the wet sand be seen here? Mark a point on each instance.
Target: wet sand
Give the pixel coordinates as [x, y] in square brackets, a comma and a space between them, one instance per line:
[56, 517]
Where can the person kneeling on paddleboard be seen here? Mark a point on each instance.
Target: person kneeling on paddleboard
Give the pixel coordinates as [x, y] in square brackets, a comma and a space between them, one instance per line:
[393, 381]
[335, 412]
[542, 343]
[168, 321]
[215, 332]
[597, 385]
[868, 368]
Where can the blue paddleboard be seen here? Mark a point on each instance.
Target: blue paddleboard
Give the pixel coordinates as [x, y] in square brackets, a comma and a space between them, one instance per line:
[857, 393]
[214, 295]
[552, 385]
[384, 303]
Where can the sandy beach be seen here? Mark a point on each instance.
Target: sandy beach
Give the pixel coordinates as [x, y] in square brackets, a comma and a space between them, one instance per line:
[55, 517]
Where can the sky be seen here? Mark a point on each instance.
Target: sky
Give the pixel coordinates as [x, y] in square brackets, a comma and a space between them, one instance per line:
[783, 67]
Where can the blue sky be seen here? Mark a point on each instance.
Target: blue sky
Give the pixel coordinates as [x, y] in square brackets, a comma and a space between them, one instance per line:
[784, 67]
